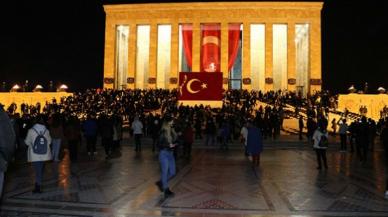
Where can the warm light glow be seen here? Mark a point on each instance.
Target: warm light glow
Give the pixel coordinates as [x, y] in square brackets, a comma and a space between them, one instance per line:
[302, 57]
[279, 55]
[381, 89]
[121, 70]
[164, 56]
[16, 87]
[38, 86]
[63, 87]
[142, 56]
[258, 56]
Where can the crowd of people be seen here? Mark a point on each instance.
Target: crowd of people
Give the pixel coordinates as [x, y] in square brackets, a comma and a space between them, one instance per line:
[105, 114]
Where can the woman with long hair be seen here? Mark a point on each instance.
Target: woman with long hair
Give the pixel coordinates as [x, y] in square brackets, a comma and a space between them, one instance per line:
[167, 143]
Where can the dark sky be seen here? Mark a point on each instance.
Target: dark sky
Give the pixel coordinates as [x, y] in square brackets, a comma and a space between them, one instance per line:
[64, 42]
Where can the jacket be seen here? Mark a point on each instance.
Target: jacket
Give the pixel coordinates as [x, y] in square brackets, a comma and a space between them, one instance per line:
[254, 141]
[31, 135]
[7, 140]
[317, 138]
[90, 127]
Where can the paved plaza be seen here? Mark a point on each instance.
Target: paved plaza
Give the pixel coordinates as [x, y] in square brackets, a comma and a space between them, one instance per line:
[212, 183]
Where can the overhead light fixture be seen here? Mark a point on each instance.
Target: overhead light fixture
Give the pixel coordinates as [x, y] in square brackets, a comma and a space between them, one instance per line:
[63, 88]
[15, 88]
[38, 88]
[381, 89]
[352, 89]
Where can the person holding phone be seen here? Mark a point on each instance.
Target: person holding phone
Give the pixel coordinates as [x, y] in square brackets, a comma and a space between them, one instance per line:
[167, 142]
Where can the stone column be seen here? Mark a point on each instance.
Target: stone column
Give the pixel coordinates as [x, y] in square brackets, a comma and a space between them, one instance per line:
[268, 57]
[224, 53]
[109, 53]
[246, 56]
[291, 52]
[315, 56]
[196, 48]
[153, 56]
[132, 56]
[174, 62]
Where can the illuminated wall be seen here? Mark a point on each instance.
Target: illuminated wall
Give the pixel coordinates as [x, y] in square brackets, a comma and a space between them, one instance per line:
[164, 56]
[122, 33]
[280, 44]
[142, 56]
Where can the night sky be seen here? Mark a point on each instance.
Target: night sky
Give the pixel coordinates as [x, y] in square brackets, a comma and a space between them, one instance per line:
[64, 42]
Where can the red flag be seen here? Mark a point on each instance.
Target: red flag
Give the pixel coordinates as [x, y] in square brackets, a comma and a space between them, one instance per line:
[211, 48]
[200, 86]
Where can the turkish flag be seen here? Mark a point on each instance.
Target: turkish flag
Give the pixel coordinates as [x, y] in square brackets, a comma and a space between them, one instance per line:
[211, 48]
[200, 86]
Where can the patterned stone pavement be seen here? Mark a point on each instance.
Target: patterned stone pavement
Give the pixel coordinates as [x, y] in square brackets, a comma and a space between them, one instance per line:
[213, 183]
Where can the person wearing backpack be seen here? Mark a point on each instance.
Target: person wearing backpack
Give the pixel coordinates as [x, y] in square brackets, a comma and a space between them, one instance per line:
[320, 139]
[38, 141]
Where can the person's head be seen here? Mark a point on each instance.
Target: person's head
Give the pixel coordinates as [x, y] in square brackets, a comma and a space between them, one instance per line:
[39, 119]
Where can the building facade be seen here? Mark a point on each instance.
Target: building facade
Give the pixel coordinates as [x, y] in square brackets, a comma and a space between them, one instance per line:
[256, 45]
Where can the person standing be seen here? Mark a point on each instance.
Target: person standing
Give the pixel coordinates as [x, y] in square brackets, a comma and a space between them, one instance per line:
[210, 132]
[254, 143]
[7, 144]
[73, 136]
[384, 140]
[311, 127]
[167, 143]
[334, 126]
[188, 139]
[137, 128]
[38, 141]
[243, 137]
[320, 145]
[90, 128]
[106, 130]
[154, 131]
[362, 140]
[117, 131]
[225, 133]
[56, 131]
[301, 126]
[343, 129]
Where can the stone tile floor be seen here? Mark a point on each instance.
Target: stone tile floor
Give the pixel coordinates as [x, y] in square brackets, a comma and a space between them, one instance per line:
[213, 183]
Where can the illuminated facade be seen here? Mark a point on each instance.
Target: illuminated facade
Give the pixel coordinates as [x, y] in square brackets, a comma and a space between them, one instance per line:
[257, 45]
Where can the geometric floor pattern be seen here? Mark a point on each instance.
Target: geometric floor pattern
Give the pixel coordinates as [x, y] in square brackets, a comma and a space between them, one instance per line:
[212, 183]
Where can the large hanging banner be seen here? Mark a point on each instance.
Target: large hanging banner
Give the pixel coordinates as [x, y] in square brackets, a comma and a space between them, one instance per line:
[211, 48]
[200, 86]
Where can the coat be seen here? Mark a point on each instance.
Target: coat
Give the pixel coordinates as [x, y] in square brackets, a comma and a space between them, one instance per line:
[7, 140]
[317, 138]
[31, 135]
[254, 141]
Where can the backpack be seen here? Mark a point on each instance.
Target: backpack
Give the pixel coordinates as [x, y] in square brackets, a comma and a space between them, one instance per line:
[40, 143]
[323, 142]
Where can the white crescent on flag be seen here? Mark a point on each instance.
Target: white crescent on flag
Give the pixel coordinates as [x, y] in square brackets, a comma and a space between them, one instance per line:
[188, 86]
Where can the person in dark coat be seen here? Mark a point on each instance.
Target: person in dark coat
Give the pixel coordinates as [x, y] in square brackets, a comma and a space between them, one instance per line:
[154, 131]
[301, 126]
[384, 140]
[311, 127]
[362, 140]
[7, 144]
[106, 130]
[73, 136]
[254, 143]
[90, 129]
[225, 133]
[188, 139]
